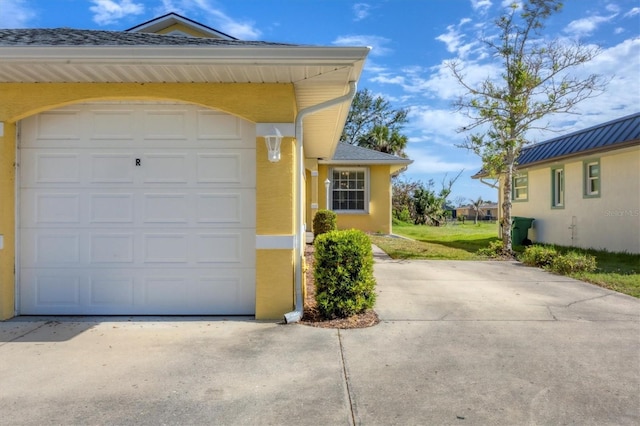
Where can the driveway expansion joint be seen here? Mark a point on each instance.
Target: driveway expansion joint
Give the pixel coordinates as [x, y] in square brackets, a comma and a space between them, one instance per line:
[346, 380]
[589, 299]
[28, 332]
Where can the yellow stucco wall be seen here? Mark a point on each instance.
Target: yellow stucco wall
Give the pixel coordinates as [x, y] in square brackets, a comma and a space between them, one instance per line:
[378, 218]
[185, 29]
[254, 102]
[275, 207]
[609, 221]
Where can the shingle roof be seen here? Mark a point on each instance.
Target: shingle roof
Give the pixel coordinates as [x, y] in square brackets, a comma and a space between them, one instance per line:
[351, 153]
[609, 135]
[74, 37]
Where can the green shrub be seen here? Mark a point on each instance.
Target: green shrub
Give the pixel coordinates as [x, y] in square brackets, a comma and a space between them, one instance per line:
[402, 215]
[343, 272]
[324, 221]
[495, 249]
[572, 262]
[537, 255]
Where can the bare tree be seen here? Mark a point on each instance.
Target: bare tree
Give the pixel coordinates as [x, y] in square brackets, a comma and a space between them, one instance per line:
[536, 82]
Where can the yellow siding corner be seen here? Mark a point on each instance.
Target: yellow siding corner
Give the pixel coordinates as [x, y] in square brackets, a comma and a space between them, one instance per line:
[274, 283]
[7, 221]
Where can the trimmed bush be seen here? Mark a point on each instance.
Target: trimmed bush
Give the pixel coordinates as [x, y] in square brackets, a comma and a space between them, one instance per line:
[324, 221]
[343, 272]
[541, 256]
[494, 250]
[573, 262]
[547, 257]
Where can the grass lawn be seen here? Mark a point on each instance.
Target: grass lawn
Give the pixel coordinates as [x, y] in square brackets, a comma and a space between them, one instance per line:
[616, 271]
[452, 242]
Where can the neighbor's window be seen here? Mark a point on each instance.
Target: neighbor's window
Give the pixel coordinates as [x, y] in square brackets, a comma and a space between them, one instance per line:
[520, 187]
[349, 190]
[557, 187]
[592, 178]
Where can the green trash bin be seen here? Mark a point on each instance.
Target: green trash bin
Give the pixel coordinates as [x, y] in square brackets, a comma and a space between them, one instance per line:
[520, 229]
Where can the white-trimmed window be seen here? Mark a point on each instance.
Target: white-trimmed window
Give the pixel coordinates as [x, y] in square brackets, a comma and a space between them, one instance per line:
[350, 189]
[520, 191]
[557, 187]
[592, 178]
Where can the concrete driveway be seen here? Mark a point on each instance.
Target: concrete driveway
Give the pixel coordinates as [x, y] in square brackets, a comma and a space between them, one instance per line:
[460, 343]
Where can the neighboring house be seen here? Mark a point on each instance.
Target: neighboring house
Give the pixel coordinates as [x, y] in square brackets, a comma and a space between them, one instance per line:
[488, 211]
[134, 174]
[583, 189]
[360, 190]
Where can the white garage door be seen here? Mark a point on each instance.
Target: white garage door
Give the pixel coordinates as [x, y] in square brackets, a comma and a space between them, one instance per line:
[136, 209]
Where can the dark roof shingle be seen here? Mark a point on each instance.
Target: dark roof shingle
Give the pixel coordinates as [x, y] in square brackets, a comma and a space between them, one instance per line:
[348, 152]
[74, 37]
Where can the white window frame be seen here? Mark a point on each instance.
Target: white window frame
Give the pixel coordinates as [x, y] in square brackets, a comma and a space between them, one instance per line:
[557, 187]
[589, 179]
[515, 189]
[366, 188]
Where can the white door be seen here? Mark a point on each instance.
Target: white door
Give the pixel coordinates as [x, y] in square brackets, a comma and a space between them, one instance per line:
[136, 209]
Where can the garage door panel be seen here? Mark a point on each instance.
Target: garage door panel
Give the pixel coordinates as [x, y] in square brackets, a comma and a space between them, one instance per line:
[49, 208]
[112, 125]
[112, 248]
[61, 125]
[47, 248]
[112, 168]
[165, 124]
[106, 292]
[111, 208]
[49, 167]
[102, 233]
[213, 125]
[226, 207]
[226, 167]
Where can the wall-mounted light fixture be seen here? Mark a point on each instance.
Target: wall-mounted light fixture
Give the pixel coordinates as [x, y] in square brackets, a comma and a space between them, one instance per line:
[273, 142]
[273, 133]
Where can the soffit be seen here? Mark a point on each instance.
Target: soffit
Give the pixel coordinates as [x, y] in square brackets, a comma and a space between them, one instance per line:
[317, 73]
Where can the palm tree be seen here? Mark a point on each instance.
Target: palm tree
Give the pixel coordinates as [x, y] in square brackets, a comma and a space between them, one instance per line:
[476, 206]
[382, 139]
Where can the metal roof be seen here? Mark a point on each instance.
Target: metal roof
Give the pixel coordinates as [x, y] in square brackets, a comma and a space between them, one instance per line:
[613, 134]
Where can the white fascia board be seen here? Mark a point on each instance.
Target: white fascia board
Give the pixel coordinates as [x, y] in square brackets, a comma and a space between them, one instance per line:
[356, 163]
[252, 55]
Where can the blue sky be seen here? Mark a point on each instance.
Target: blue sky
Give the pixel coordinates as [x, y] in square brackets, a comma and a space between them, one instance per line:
[411, 41]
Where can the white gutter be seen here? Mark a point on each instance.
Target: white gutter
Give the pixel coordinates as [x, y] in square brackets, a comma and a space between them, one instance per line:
[296, 315]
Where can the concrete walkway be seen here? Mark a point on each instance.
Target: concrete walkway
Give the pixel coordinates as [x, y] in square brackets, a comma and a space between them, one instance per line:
[460, 343]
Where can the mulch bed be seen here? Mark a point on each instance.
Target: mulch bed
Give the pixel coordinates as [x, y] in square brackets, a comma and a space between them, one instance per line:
[312, 316]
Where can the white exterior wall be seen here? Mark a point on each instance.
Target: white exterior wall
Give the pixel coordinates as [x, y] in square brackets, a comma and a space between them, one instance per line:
[611, 221]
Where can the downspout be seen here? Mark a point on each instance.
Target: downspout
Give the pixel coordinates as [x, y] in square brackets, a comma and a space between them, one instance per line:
[296, 315]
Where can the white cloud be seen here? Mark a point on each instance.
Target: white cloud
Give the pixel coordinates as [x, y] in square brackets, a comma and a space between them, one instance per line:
[633, 12]
[110, 11]
[376, 43]
[481, 4]
[213, 17]
[429, 161]
[239, 29]
[585, 26]
[15, 14]
[454, 39]
[361, 11]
